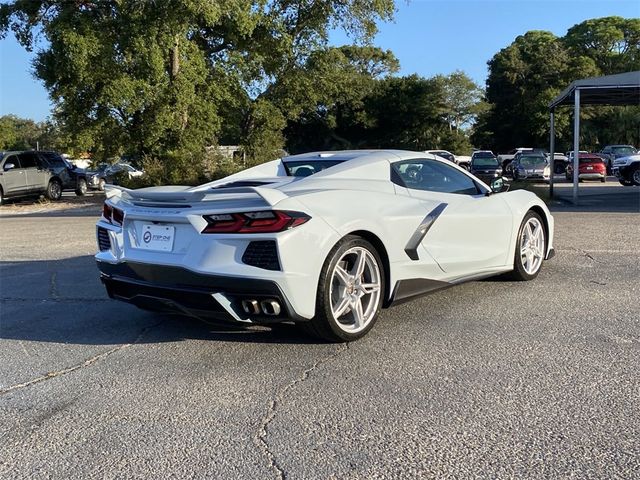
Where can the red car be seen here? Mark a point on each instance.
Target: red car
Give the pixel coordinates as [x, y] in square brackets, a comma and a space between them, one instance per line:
[591, 167]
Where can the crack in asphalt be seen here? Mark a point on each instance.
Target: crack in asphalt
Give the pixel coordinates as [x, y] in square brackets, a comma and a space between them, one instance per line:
[260, 438]
[53, 287]
[86, 363]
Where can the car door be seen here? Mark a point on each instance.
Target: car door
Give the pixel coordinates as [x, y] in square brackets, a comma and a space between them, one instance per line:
[473, 229]
[31, 166]
[14, 180]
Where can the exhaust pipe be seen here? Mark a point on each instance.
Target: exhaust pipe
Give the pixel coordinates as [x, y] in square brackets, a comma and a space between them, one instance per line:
[251, 307]
[270, 307]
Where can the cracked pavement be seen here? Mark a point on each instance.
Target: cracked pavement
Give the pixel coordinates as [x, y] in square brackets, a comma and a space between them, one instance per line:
[489, 379]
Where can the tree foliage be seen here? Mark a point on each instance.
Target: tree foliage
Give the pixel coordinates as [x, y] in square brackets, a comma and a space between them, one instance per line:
[525, 76]
[160, 79]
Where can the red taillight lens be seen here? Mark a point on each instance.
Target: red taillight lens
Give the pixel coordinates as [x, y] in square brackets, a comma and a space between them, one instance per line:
[112, 214]
[254, 222]
[107, 211]
[118, 216]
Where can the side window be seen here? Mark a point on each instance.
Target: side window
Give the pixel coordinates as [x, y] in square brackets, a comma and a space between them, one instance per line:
[28, 160]
[432, 176]
[14, 160]
[52, 159]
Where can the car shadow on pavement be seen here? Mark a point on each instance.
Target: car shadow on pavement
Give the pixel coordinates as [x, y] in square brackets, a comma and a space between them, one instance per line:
[63, 301]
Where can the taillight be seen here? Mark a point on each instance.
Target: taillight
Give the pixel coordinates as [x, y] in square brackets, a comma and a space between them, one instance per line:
[112, 214]
[107, 212]
[254, 222]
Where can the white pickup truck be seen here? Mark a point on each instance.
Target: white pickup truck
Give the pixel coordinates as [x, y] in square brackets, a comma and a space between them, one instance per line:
[627, 169]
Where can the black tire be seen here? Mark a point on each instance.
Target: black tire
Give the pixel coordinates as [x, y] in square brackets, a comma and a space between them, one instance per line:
[2, 199]
[323, 325]
[519, 273]
[603, 179]
[54, 190]
[81, 189]
[635, 175]
[101, 184]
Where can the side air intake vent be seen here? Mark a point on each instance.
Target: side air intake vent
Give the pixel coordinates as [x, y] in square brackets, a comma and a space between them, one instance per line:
[262, 254]
[103, 239]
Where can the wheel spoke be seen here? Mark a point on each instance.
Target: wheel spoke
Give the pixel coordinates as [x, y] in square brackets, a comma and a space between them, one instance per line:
[342, 275]
[358, 315]
[367, 288]
[342, 307]
[358, 267]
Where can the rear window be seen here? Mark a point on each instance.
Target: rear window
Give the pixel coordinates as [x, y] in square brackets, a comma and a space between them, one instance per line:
[591, 160]
[485, 162]
[532, 160]
[305, 168]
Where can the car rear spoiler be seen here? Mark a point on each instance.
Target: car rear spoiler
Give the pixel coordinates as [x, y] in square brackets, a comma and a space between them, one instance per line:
[269, 195]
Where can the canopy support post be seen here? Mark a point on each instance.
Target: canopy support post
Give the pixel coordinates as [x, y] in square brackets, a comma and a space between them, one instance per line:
[552, 146]
[576, 144]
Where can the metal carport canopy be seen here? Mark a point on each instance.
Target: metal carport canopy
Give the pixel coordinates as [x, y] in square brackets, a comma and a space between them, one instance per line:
[619, 89]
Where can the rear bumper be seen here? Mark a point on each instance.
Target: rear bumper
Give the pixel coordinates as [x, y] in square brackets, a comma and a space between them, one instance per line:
[174, 289]
[591, 176]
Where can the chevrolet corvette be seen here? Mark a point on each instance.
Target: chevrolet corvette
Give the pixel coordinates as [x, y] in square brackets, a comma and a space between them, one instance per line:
[323, 239]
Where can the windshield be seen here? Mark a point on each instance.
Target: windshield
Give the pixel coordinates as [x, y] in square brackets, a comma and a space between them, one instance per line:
[531, 160]
[626, 150]
[485, 162]
[304, 168]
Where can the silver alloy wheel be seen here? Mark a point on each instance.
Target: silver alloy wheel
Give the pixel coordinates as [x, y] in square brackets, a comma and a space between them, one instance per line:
[355, 289]
[55, 190]
[532, 246]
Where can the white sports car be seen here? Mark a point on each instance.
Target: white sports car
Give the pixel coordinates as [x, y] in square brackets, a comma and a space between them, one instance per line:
[321, 239]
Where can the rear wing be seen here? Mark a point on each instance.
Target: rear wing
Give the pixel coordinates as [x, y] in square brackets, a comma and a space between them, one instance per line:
[144, 196]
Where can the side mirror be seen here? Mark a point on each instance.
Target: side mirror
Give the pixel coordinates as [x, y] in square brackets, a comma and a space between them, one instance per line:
[499, 185]
[9, 166]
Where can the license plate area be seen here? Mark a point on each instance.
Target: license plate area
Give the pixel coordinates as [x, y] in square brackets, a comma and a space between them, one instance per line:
[157, 238]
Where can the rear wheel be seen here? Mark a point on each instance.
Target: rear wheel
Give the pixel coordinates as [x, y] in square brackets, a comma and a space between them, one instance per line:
[101, 185]
[635, 175]
[350, 292]
[54, 190]
[531, 247]
[2, 199]
[603, 179]
[81, 189]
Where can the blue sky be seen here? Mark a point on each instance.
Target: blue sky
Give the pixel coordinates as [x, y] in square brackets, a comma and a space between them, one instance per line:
[427, 36]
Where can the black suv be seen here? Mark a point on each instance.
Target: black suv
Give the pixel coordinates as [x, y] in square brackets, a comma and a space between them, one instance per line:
[32, 173]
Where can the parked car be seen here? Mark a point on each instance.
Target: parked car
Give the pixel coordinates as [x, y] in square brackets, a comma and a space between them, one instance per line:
[590, 167]
[32, 173]
[611, 152]
[560, 162]
[531, 166]
[97, 179]
[122, 169]
[238, 249]
[486, 167]
[506, 158]
[508, 168]
[627, 170]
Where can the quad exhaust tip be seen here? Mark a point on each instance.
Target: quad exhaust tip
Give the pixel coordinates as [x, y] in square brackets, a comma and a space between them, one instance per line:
[268, 307]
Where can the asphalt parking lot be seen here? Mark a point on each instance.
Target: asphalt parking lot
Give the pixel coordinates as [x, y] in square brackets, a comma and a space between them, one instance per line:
[491, 379]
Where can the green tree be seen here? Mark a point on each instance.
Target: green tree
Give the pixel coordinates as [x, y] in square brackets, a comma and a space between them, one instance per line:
[463, 99]
[525, 76]
[613, 43]
[158, 79]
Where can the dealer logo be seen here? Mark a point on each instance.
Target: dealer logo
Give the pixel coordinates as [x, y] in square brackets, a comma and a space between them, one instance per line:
[146, 237]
